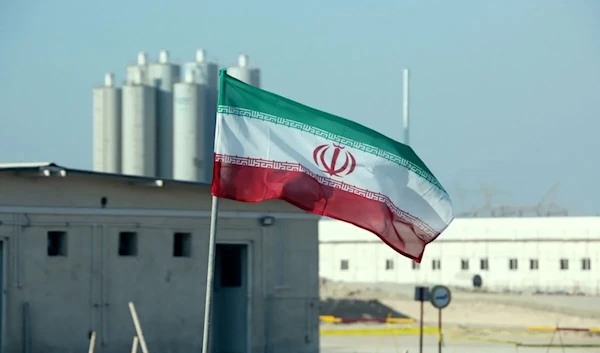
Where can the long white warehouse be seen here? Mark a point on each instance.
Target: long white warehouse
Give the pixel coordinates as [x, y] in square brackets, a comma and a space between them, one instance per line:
[515, 254]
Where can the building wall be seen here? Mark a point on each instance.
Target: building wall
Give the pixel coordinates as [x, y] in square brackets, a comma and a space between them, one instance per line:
[497, 240]
[89, 288]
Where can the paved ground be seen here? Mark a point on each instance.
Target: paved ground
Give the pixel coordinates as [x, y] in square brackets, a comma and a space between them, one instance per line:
[410, 344]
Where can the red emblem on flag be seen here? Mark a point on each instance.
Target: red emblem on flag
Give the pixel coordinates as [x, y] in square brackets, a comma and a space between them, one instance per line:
[331, 163]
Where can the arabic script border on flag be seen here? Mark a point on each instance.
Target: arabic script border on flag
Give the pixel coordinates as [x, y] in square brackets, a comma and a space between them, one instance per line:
[296, 167]
[253, 114]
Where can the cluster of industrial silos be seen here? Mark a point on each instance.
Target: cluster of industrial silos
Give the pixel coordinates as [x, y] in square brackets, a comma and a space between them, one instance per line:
[157, 124]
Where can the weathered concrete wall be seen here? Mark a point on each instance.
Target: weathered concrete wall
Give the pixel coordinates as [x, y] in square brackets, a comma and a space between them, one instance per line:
[293, 288]
[90, 287]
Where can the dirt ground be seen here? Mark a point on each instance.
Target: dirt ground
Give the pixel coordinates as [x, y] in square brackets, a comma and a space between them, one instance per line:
[467, 309]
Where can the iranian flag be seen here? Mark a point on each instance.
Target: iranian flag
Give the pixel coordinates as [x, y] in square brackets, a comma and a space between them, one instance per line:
[270, 147]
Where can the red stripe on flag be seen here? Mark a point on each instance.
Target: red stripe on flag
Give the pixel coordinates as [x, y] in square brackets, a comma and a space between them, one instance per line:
[255, 184]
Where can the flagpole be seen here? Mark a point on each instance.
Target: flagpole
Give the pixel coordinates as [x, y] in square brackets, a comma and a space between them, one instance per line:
[405, 121]
[212, 237]
[210, 269]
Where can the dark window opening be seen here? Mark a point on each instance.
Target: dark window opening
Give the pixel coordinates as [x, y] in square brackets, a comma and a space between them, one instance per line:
[182, 244]
[344, 265]
[564, 264]
[484, 264]
[436, 264]
[57, 243]
[513, 264]
[128, 244]
[464, 264]
[533, 264]
[230, 262]
[389, 264]
[416, 266]
[586, 264]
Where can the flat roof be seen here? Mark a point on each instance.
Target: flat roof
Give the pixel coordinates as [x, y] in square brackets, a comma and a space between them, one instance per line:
[52, 169]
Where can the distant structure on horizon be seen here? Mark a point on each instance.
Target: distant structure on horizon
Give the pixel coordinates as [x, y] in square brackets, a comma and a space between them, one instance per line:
[544, 208]
[158, 125]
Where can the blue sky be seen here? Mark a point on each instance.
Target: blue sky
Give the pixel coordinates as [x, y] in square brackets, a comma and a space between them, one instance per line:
[503, 93]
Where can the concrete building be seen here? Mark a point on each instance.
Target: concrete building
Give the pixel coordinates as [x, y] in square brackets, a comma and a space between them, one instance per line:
[545, 254]
[77, 246]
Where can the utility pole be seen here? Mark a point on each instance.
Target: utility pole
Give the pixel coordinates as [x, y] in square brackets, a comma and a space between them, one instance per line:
[405, 120]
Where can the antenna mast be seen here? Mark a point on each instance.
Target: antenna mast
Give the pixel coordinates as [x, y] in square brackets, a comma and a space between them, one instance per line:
[405, 121]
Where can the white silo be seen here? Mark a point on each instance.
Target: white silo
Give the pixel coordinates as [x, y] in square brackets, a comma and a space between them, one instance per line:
[163, 75]
[138, 150]
[203, 72]
[140, 69]
[206, 74]
[244, 73]
[192, 156]
[107, 126]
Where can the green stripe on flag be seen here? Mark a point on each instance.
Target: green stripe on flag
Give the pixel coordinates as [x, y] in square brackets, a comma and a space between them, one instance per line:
[247, 101]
